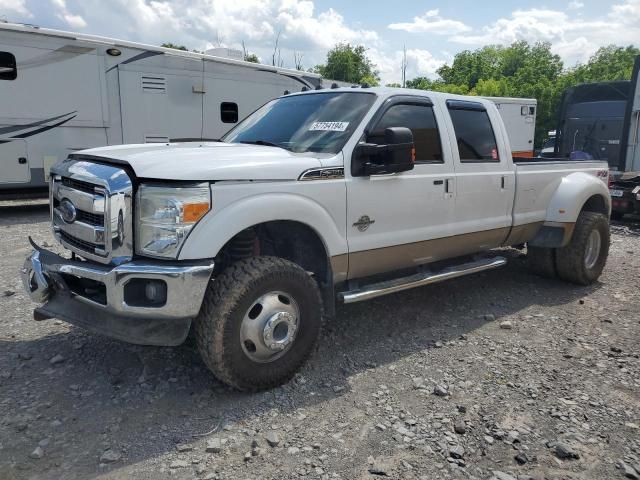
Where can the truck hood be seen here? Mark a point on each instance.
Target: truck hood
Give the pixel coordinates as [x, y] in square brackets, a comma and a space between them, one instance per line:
[208, 161]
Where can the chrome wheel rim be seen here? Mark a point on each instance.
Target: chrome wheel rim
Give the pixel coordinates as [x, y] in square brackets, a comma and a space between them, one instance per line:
[592, 252]
[269, 327]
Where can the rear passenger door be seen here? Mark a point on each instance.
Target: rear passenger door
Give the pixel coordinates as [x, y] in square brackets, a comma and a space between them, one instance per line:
[484, 177]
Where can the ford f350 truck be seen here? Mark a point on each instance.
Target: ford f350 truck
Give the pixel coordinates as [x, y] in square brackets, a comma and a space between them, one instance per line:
[321, 197]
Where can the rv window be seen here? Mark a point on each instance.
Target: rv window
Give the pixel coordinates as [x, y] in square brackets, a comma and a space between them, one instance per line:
[8, 70]
[229, 112]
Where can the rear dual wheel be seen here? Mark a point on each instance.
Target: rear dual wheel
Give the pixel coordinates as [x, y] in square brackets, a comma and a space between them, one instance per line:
[259, 322]
[583, 259]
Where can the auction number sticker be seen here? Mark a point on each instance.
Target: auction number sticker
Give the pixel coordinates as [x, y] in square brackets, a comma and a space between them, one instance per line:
[328, 126]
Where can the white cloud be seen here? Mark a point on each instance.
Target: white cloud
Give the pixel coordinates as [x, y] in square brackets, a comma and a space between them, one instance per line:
[74, 21]
[420, 63]
[575, 5]
[17, 7]
[573, 38]
[202, 24]
[432, 22]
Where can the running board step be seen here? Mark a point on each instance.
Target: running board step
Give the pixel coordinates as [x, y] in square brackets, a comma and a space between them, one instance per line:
[419, 279]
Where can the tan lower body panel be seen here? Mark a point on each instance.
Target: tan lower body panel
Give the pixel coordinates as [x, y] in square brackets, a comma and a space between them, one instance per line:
[387, 259]
[522, 233]
[339, 267]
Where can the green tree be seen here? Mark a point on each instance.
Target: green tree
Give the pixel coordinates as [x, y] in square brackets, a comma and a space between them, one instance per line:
[525, 70]
[607, 64]
[349, 64]
[251, 57]
[174, 46]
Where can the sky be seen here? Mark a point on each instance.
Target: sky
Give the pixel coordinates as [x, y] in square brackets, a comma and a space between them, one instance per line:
[432, 31]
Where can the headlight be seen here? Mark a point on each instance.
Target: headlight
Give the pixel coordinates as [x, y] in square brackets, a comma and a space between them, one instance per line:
[166, 215]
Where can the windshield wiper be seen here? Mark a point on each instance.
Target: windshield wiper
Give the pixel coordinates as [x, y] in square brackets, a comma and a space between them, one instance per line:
[264, 143]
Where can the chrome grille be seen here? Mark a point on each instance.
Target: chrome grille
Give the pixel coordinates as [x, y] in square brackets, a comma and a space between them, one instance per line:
[91, 210]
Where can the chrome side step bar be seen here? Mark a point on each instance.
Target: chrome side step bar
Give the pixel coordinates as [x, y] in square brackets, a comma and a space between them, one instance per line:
[419, 279]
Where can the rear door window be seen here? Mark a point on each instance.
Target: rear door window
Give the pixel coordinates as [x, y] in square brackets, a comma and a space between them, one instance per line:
[474, 133]
[8, 68]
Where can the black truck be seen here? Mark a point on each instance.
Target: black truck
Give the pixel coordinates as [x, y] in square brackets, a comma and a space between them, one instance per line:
[600, 121]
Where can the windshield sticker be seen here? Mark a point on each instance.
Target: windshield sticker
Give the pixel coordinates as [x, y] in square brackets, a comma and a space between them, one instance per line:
[329, 126]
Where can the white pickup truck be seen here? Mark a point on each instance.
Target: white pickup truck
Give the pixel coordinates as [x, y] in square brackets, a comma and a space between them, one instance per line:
[320, 197]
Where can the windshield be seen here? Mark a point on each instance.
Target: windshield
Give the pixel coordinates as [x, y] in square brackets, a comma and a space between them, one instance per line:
[318, 122]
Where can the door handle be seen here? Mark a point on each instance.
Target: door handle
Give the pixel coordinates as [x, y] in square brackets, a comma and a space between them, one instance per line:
[502, 183]
[447, 186]
[438, 182]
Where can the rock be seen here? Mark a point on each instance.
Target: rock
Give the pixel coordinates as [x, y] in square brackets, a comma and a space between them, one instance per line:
[440, 391]
[462, 409]
[378, 469]
[565, 452]
[629, 471]
[506, 325]
[25, 356]
[439, 344]
[272, 439]
[498, 475]
[513, 437]
[179, 464]
[293, 450]
[521, 458]
[44, 442]
[8, 293]
[418, 382]
[183, 448]
[56, 359]
[214, 446]
[110, 456]
[489, 317]
[381, 427]
[457, 451]
[37, 454]
[460, 428]
[489, 439]
[247, 456]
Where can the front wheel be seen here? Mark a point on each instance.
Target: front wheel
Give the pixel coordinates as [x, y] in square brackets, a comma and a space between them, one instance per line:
[259, 322]
[583, 260]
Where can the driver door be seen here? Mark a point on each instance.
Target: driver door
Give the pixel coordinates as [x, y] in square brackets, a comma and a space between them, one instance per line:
[400, 220]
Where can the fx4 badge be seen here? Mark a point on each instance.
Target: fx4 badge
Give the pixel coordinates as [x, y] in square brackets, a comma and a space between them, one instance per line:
[363, 223]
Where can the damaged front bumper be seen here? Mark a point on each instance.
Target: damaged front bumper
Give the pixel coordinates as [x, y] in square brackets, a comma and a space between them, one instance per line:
[142, 302]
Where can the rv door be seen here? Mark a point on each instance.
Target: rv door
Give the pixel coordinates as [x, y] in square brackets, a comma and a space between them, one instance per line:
[13, 161]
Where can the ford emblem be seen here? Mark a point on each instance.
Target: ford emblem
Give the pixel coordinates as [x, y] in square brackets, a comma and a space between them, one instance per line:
[68, 211]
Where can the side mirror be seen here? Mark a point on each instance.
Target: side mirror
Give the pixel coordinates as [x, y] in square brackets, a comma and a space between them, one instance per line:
[395, 155]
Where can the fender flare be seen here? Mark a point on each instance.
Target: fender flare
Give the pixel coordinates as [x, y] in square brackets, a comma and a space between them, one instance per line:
[569, 199]
[572, 194]
[217, 228]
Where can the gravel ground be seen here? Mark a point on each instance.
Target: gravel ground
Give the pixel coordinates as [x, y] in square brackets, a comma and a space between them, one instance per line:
[501, 375]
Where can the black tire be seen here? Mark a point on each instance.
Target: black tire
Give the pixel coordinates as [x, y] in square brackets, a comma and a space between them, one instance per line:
[542, 261]
[570, 260]
[616, 215]
[230, 296]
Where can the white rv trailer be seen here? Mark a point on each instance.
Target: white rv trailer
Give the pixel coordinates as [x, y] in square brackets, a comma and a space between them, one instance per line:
[61, 92]
[519, 117]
